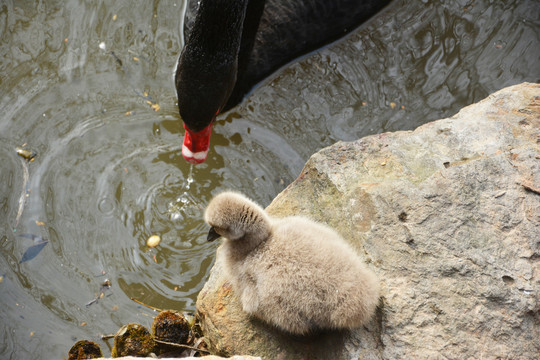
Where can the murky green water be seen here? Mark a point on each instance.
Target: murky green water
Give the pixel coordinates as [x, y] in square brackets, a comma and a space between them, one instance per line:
[108, 172]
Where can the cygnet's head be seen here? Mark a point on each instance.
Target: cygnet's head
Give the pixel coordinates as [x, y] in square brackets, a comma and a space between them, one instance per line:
[236, 217]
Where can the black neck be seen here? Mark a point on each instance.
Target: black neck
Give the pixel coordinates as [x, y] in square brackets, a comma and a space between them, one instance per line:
[208, 66]
[218, 26]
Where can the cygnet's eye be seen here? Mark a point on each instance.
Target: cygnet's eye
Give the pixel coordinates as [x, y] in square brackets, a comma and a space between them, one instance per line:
[220, 230]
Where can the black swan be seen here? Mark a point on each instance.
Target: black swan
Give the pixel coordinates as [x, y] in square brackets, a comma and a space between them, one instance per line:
[293, 273]
[234, 44]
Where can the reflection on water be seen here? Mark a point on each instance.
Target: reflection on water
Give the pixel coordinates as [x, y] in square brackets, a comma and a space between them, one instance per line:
[79, 86]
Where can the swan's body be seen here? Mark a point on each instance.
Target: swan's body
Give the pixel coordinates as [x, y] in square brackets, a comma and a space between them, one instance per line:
[293, 273]
[234, 44]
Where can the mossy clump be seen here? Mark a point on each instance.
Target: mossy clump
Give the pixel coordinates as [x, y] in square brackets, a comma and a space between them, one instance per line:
[84, 349]
[171, 326]
[133, 340]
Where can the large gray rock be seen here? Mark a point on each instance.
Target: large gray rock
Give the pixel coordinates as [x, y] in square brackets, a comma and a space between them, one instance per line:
[447, 215]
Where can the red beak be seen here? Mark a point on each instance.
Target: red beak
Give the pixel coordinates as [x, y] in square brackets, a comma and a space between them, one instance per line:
[195, 148]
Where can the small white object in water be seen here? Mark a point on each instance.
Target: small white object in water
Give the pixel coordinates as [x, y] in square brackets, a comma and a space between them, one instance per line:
[153, 241]
[102, 45]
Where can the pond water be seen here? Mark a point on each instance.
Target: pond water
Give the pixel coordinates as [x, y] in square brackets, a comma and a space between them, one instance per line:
[80, 83]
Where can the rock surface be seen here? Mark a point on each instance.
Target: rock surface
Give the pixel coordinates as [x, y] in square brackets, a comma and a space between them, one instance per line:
[447, 215]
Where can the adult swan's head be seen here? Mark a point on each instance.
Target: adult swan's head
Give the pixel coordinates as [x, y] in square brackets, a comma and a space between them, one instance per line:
[233, 44]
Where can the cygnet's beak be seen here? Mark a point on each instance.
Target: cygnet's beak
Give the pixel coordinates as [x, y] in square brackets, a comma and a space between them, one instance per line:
[212, 234]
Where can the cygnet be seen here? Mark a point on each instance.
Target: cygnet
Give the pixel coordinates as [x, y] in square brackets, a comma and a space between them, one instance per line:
[293, 273]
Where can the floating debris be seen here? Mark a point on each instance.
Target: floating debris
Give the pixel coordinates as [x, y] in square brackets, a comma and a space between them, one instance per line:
[28, 155]
[26, 175]
[35, 249]
[143, 304]
[153, 241]
[188, 350]
[106, 285]
[118, 60]
[102, 273]
[153, 104]
[32, 251]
